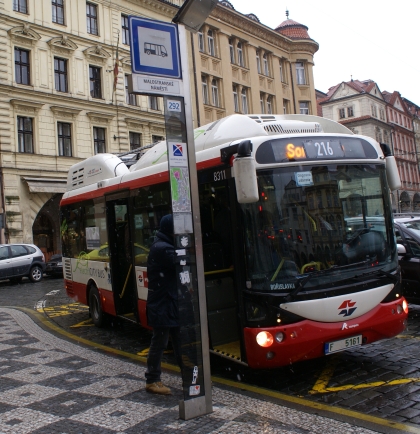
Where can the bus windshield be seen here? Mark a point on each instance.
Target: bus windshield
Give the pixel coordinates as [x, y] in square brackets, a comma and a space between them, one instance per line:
[330, 218]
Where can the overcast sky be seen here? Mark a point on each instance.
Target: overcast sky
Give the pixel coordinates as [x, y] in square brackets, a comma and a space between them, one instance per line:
[366, 39]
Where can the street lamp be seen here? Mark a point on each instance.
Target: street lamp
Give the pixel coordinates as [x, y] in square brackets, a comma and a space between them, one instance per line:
[193, 13]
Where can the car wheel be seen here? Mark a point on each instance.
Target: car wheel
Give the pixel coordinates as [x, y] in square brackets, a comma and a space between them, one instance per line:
[15, 280]
[95, 309]
[35, 275]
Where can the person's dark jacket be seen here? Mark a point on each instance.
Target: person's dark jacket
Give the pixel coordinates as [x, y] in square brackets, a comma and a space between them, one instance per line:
[162, 298]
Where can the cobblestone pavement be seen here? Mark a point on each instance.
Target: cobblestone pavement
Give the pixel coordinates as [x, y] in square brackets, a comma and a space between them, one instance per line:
[379, 380]
[48, 385]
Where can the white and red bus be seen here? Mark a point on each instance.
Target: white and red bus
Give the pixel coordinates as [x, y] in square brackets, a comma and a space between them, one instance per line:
[299, 251]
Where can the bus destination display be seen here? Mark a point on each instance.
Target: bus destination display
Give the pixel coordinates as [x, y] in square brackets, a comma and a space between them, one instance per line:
[321, 148]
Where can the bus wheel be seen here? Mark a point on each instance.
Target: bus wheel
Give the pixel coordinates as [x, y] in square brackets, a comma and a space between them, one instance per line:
[95, 310]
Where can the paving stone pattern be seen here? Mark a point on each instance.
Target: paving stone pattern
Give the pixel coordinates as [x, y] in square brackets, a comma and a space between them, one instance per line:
[49, 385]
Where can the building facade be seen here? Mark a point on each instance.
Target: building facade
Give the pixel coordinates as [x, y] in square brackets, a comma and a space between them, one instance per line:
[64, 92]
[364, 109]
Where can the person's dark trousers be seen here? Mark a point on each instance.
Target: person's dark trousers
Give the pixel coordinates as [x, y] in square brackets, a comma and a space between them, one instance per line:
[157, 347]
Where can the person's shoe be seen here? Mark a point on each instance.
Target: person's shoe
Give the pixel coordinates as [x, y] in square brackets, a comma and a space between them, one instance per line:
[158, 388]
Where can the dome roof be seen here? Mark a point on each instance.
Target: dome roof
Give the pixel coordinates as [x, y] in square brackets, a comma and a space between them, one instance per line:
[293, 30]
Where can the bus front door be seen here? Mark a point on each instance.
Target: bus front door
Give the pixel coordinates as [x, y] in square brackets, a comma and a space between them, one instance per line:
[122, 273]
[218, 240]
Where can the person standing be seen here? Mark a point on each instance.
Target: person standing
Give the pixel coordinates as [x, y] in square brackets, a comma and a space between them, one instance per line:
[162, 304]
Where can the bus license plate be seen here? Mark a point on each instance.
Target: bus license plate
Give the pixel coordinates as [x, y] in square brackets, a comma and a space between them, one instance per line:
[343, 344]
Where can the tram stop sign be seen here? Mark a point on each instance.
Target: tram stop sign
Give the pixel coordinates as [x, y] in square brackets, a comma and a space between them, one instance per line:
[159, 61]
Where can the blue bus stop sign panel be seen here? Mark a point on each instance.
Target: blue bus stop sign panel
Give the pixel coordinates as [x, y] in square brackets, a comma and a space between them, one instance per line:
[154, 48]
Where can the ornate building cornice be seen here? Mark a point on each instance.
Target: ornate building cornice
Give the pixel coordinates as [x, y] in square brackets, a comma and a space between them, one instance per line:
[62, 42]
[24, 34]
[97, 53]
[262, 32]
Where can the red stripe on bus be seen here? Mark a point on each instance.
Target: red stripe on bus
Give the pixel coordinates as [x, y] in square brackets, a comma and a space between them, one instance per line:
[134, 183]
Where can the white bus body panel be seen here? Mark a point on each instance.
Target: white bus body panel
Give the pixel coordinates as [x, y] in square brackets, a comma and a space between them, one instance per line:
[341, 308]
[84, 270]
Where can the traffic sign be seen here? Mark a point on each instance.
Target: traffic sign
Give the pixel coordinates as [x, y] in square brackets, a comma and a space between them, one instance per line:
[154, 48]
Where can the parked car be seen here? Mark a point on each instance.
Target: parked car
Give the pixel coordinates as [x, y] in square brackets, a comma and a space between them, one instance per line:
[55, 266]
[407, 232]
[21, 260]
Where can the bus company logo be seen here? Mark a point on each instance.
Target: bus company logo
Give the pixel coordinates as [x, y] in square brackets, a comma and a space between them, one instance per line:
[142, 278]
[94, 171]
[282, 286]
[345, 326]
[177, 150]
[347, 308]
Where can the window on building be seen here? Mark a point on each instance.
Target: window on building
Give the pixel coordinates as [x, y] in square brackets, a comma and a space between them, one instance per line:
[22, 66]
[57, 11]
[153, 102]
[300, 73]
[60, 74]
[350, 112]
[25, 134]
[99, 140]
[210, 42]
[135, 140]
[235, 98]
[258, 62]
[231, 51]
[342, 113]
[244, 101]
[156, 139]
[262, 103]
[215, 92]
[95, 82]
[270, 105]
[125, 30]
[265, 65]
[286, 106]
[382, 114]
[374, 112]
[20, 6]
[205, 90]
[130, 98]
[92, 18]
[200, 41]
[240, 54]
[64, 139]
[304, 108]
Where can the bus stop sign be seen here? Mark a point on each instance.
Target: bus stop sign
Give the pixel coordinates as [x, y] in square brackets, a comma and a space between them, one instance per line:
[154, 48]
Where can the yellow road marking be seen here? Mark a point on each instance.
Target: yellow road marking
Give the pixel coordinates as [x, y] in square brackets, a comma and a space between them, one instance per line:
[86, 323]
[241, 386]
[416, 338]
[323, 380]
[321, 385]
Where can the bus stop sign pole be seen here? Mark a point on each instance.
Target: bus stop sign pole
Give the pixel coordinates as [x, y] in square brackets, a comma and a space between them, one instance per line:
[159, 60]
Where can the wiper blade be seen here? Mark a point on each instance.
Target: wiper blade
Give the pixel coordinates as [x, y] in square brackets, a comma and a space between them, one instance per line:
[391, 276]
[303, 281]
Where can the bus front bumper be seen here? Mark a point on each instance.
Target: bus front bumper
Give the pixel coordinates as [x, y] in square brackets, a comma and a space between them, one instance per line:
[307, 339]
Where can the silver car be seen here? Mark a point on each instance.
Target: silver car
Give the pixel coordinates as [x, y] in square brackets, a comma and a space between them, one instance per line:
[21, 260]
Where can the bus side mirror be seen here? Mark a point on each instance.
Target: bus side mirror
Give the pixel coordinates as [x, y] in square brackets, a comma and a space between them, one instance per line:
[246, 179]
[392, 174]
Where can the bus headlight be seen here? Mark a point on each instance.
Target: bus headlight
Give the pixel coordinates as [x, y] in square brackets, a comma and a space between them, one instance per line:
[265, 339]
[405, 306]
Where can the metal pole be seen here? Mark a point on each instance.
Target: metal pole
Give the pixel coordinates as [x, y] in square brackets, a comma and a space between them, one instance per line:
[198, 406]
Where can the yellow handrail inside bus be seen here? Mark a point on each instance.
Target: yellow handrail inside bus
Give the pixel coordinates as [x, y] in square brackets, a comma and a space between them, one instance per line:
[126, 280]
[224, 270]
[278, 269]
